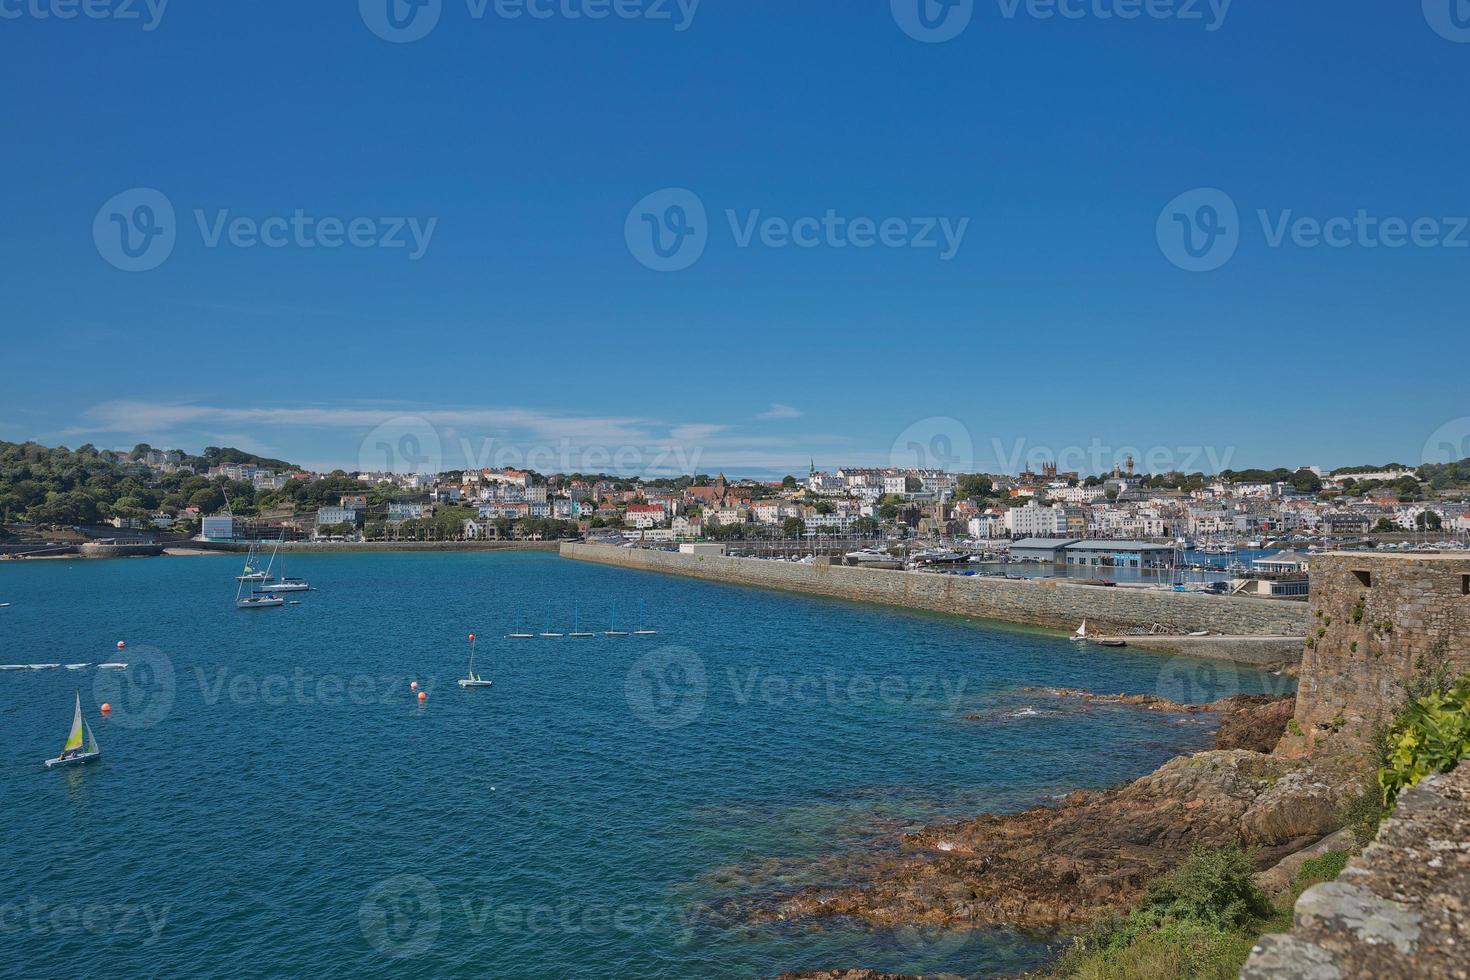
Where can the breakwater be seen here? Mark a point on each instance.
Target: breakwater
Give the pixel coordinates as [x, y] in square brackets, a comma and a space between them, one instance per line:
[1049, 603]
[366, 547]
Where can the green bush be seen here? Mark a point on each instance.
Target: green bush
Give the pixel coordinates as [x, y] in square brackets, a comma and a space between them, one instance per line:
[1197, 921]
[1432, 735]
[1213, 886]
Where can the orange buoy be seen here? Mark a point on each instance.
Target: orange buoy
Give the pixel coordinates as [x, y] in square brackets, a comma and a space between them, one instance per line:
[423, 696]
[121, 645]
[107, 709]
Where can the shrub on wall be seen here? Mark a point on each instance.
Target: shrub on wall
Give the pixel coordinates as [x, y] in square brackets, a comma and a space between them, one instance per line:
[1432, 735]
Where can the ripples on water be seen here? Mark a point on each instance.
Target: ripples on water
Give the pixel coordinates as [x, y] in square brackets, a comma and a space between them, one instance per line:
[273, 801]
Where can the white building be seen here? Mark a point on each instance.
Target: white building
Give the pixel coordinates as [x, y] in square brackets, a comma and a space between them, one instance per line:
[1035, 521]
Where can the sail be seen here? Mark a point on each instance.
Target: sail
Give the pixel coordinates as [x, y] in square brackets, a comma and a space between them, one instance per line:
[74, 740]
[91, 739]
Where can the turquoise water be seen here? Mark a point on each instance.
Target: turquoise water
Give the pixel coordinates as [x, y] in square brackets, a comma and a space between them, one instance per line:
[273, 800]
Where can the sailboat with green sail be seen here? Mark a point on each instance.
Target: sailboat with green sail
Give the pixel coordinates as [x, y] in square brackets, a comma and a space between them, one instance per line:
[80, 745]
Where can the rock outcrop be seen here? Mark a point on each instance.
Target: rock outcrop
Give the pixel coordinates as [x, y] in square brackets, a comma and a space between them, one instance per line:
[1096, 852]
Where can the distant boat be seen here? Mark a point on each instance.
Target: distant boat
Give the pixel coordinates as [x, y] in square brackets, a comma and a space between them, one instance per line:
[518, 633]
[577, 621]
[643, 630]
[43, 666]
[612, 624]
[548, 632]
[77, 666]
[250, 572]
[473, 680]
[112, 666]
[77, 748]
[1081, 633]
[261, 599]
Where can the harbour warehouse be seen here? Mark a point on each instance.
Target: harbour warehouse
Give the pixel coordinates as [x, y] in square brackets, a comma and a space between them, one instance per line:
[1093, 553]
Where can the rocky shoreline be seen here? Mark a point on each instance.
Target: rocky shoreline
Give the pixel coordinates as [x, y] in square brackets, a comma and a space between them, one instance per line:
[1056, 868]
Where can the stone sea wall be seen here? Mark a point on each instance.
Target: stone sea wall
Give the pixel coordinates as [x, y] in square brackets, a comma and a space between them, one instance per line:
[1053, 604]
[310, 547]
[1397, 912]
[1374, 620]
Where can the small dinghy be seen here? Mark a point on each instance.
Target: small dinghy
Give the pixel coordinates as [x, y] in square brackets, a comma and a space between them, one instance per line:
[612, 624]
[1081, 633]
[473, 680]
[643, 630]
[77, 666]
[78, 749]
[12, 666]
[42, 666]
[112, 666]
[577, 622]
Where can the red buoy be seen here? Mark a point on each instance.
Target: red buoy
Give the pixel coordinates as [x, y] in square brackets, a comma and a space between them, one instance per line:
[472, 638]
[107, 709]
[413, 686]
[423, 696]
[121, 645]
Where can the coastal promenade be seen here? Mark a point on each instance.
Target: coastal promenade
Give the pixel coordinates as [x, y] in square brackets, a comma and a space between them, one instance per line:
[1049, 603]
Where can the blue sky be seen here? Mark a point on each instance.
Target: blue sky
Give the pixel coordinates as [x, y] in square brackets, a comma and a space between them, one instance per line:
[528, 152]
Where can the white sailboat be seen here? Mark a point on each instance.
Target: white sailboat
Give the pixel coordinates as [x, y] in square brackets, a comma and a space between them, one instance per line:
[473, 680]
[250, 572]
[549, 633]
[643, 630]
[1081, 633]
[612, 624]
[77, 748]
[288, 583]
[519, 633]
[262, 599]
[577, 621]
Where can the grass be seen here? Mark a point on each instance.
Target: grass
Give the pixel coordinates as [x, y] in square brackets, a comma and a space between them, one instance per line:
[1199, 921]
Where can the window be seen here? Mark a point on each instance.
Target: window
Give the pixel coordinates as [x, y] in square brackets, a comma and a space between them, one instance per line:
[1465, 585]
[1364, 578]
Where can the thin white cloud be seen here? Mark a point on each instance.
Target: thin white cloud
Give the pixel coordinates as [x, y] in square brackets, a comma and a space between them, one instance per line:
[779, 411]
